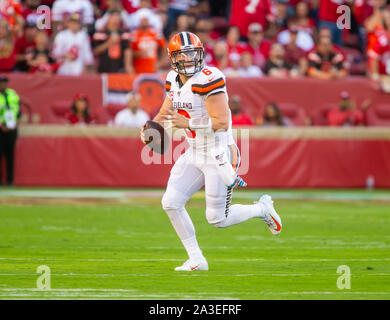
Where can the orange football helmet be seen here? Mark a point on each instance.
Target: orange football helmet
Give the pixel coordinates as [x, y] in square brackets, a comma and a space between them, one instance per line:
[186, 53]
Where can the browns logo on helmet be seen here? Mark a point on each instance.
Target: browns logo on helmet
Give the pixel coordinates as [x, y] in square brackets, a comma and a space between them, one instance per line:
[186, 53]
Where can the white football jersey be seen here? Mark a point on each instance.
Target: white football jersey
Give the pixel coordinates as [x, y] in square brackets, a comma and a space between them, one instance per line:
[190, 100]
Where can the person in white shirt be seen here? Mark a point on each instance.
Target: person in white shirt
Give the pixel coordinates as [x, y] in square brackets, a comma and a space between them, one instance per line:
[72, 48]
[132, 115]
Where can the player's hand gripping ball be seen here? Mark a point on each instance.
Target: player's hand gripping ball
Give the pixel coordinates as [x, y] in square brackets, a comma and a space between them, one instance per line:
[155, 137]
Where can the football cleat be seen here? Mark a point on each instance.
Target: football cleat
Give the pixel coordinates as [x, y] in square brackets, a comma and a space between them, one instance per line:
[270, 217]
[194, 265]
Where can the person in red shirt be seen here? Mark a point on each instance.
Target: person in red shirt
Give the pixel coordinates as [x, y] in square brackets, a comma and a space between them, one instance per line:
[244, 12]
[257, 45]
[235, 47]
[79, 111]
[379, 56]
[24, 46]
[347, 114]
[145, 44]
[239, 118]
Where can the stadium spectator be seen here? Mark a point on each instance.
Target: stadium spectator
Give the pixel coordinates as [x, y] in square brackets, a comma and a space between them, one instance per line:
[112, 47]
[239, 118]
[41, 60]
[377, 23]
[303, 38]
[328, 16]
[132, 115]
[247, 68]
[203, 27]
[278, 22]
[146, 44]
[273, 117]
[326, 62]
[235, 65]
[176, 8]
[347, 114]
[219, 55]
[379, 56]
[24, 47]
[302, 18]
[72, 48]
[294, 55]
[112, 6]
[276, 66]
[9, 117]
[257, 45]
[7, 47]
[242, 14]
[145, 10]
[235, 47]
[62, 10]
[79, 111]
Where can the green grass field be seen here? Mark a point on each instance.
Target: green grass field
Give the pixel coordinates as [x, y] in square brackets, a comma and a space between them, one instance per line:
[107, 244]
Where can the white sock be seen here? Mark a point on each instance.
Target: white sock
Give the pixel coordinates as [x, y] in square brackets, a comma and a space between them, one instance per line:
[184, 227]
[239, 213]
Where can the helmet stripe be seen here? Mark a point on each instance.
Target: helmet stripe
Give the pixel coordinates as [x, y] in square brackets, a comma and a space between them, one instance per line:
[182, 39]
[188, 38]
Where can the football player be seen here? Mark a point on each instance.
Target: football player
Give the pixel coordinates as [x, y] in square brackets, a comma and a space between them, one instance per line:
[197, 101]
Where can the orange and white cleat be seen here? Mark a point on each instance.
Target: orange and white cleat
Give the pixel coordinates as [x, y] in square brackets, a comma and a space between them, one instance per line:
[269, 215]
[192, 265]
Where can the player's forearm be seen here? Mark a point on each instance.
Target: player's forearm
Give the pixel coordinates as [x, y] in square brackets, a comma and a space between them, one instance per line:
[218, 124]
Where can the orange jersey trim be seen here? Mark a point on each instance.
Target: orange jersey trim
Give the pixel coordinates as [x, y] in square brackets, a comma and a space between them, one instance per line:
[207, 88]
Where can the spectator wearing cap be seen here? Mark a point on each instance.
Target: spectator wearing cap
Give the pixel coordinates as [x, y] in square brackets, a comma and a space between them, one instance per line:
[144, 10]
[276, 66]
[132, 116]
[72, 49]
[9, 117]
[239, 118]
[302, 37]
[79, 112]
[7, 47]
[257, 45]
[326, 62]
[24, 46]
[112, 47]
[347, 114]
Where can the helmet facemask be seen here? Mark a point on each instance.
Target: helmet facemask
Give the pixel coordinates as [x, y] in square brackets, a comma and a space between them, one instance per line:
[187, 61]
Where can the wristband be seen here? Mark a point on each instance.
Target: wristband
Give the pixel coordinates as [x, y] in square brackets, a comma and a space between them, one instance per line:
[200, 123]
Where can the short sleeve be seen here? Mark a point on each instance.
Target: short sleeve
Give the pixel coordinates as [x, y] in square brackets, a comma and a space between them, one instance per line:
[210, 81]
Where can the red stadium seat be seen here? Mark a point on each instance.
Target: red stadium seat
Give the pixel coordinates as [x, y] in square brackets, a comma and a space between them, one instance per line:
[57, 111]
[320, 117]
[379, 115]
[294, 113]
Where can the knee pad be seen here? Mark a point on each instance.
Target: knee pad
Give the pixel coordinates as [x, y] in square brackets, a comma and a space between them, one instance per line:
[173, 200]
[215, 216]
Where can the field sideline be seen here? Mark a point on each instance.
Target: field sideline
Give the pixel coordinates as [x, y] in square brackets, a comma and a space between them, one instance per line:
[119, 244]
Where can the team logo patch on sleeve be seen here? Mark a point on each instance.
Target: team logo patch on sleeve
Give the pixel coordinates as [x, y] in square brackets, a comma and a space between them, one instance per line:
[203, 89]
[167, 86]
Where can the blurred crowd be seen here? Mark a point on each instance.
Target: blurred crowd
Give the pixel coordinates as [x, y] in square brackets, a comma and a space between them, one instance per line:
[246, 38]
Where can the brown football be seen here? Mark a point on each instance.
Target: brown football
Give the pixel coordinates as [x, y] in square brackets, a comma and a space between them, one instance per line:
[156, 137]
